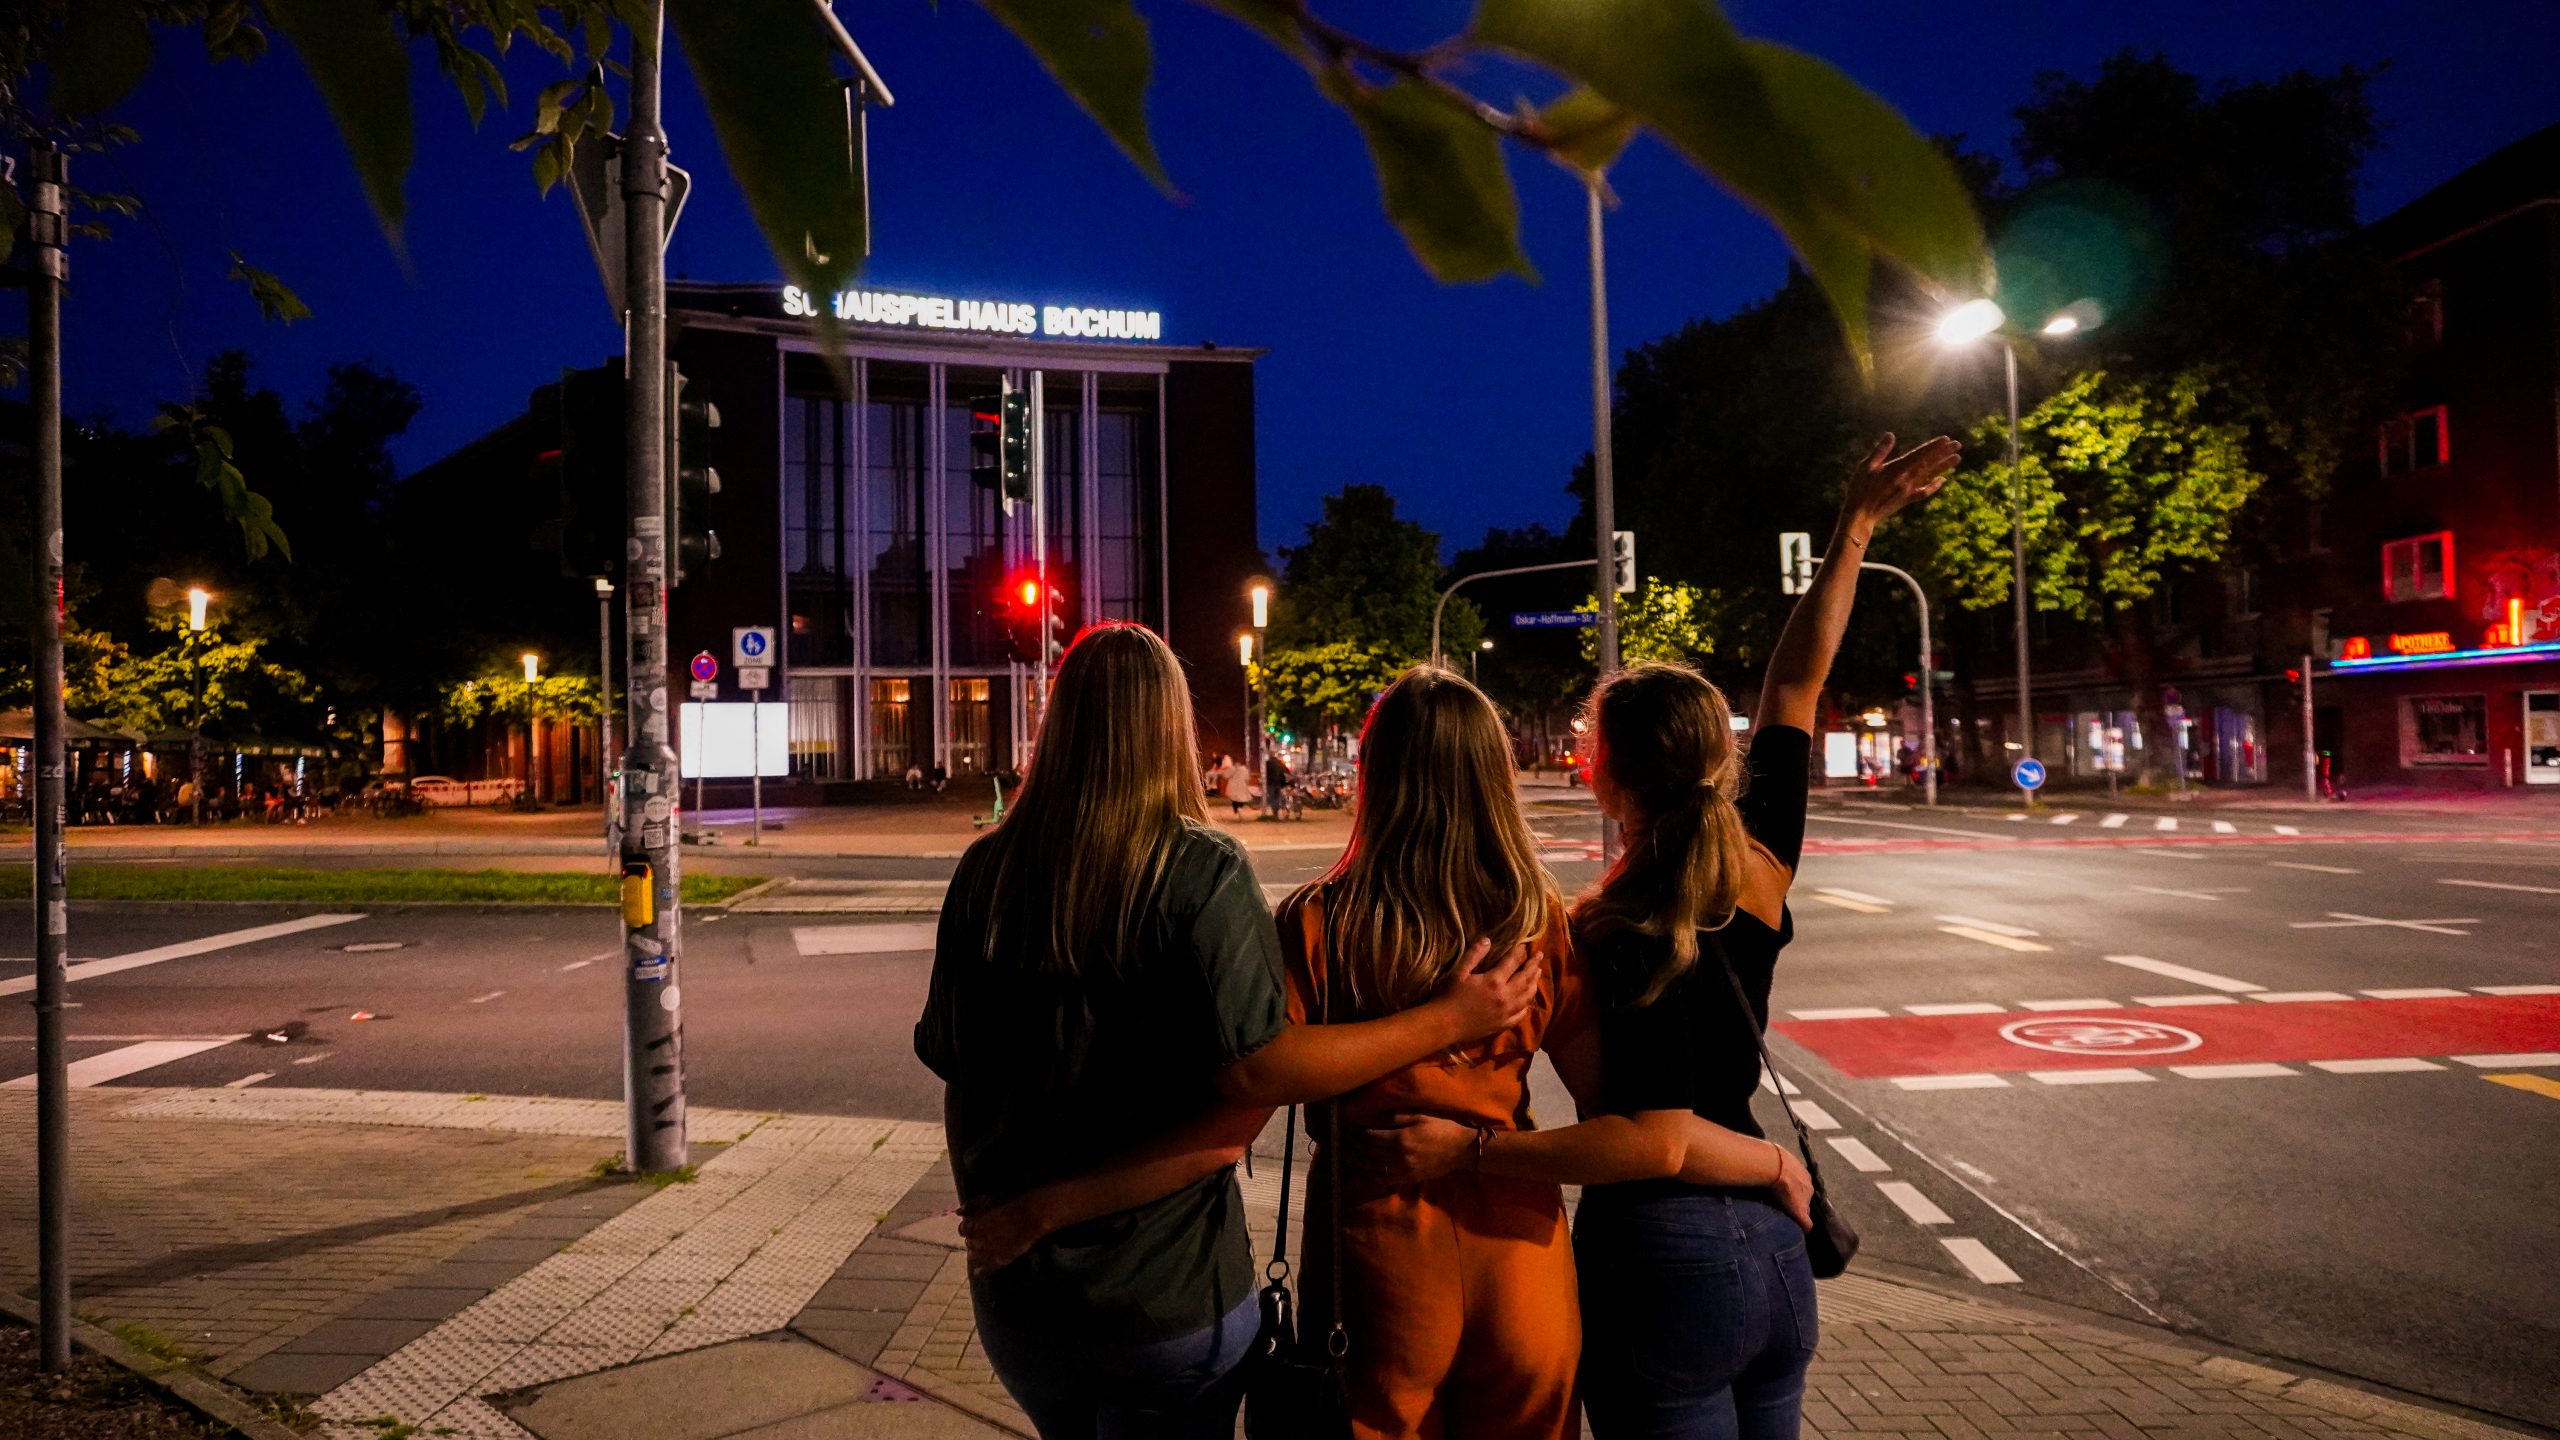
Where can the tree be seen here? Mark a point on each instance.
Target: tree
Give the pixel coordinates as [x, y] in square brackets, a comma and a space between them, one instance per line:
[1366, 574]
[1666, 620]
[2126, 484]
[207, 680]
[1321, 688]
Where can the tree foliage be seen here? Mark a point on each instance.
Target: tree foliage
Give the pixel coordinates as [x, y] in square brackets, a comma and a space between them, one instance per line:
[1319, 687]
[224, 683]
[502, 694]
[1668, 620]
[1368, 575]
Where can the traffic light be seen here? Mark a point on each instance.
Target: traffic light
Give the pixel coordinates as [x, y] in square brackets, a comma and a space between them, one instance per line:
[986, 422]
[1014, 441]
[588, 470]
[1622, 561]
[693, 481]
[1027, 624]
[1062, 609]
[1910, 682]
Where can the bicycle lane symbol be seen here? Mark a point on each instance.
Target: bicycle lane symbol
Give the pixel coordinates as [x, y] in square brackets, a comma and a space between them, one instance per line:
[2100, 1035]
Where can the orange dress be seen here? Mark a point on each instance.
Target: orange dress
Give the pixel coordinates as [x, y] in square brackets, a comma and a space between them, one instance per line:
[1458, 1294]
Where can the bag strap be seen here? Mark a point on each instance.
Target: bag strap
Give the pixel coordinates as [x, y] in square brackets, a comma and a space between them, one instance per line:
[1278, 1270]
[1777, 1082]
[1337, 1340]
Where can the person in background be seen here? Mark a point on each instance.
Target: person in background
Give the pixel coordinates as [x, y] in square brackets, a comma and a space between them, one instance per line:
[1276, 781]
[1106, 1014]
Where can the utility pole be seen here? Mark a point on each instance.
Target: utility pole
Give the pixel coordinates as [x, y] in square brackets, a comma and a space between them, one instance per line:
[1604, 500]
[2310, 747]
[652, 914]
[604, 716]
[2018, 558]
[48, 267]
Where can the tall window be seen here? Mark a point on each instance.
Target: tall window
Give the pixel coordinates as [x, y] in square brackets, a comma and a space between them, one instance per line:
[972, 522]
[816, 547]
[1124, 498]
[2444, 730]
[2418, 568]
[2419, 440]
[893, 746]
[894, 486]
[1064, 432]
[817, 727]
[972, 721]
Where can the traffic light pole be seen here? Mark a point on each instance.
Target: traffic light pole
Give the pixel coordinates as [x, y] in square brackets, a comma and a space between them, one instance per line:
[652, 917]
[46, 234]
[1039, 482]
[1604, 500]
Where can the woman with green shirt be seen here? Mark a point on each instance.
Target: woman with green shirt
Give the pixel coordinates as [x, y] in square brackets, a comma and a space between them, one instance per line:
[1106, 997]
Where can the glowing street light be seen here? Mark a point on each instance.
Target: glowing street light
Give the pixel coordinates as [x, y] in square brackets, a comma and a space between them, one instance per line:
[198, 598]
[1969, 322]
[1244, 648]
[1961, 326]
[532, 667]
[1261, 593]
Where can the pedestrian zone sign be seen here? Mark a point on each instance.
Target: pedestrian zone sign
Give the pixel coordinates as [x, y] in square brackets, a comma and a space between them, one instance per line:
[2029, 773]
[751, 645]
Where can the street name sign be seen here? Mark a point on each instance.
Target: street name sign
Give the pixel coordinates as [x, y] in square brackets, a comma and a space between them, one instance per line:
[1553, 619]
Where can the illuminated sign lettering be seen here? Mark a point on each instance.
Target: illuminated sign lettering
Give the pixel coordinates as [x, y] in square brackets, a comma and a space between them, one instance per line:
[2432, 642]
[992, 317]
[2356, 648]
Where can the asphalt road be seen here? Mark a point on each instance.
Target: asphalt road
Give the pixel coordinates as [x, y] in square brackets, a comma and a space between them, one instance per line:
[2295, 1092]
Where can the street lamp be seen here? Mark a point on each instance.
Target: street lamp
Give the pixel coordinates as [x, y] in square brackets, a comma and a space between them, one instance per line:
[1259, 592]
[532, 667]
[1244, 660]
[1481, 647]
[198, 598]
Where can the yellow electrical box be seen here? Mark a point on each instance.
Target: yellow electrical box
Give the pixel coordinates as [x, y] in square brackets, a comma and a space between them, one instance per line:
[639, 899]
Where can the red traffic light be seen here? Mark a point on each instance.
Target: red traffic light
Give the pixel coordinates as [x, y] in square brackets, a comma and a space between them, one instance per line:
[1027, 590]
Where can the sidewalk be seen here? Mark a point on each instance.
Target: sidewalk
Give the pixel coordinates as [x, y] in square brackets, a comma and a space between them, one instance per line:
[452, 1262]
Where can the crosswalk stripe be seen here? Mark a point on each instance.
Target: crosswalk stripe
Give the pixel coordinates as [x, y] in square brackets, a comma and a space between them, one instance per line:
[1950, 1082]
[2288, 829]
[2165, 822]
[1979, 1261]
[2258, 1071]
[2067, 817]
[2415, 992]
[2067, 1005]
[86, 969]
[2167, 1000]
[2113, 822]
[2389, 1066]
[131, 1059]
[1842, 1012]
[1906, 1197]
[2092, 1077]
[2518, 989]
[1860, 1158]
[2299, 997]
[2225, 827]
[2524, 1060]
[1958, 1007]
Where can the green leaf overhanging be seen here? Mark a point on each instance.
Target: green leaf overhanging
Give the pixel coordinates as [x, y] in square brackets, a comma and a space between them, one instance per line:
[100, 55]
[1442, 177]
[357, 60]
[1099, 52]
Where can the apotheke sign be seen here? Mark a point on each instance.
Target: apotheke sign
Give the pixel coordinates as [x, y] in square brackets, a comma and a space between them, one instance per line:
[994, 317]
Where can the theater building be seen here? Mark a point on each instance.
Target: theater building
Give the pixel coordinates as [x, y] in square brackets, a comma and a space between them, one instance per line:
[850, 522]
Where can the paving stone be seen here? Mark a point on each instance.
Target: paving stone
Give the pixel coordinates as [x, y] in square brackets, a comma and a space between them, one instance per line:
[698, 1395]
[845, 1332]
[413, 1302]
[481, 1274]
[523, 1251]
[287, 1374]
[846, 1293]
[867, 1264]
[350, 1337]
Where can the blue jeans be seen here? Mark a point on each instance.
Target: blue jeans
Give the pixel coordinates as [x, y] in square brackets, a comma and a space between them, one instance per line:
[1076, 1388]
[1697, 1315]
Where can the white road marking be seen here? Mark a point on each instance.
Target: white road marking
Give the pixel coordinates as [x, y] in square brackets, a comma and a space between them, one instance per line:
[1814, 1116]
[2164, 1000]
[485, 999]
[861, 939]
[2258, 1071]
[2298, 997]
[2092, 1077]
[2215, 893]
[2349, 920]
[2192, 976]
[2165, 822]
[2518, 989]
[1774, 1083]
[1843, 902]
[2503, 885]
[2068, 1005]
[2288, 829]
[2525, 1060]
[86, 969]
[1959, 1007]
[2225, 827]
[1861, 896]
[310, 1059]
[2067, 817]
[2113, 822]
[1949, 1082]
[245, 1081]
[1907, 1198]
[116, 1064]
[2374, 1067]
[1988, 938]
[577, 965]
[1860, 1158]
[1976, 1171]
[1842, 1012]
[2015, 819]
[1979, 1261]
[1900, 825]
[1993, 926]
[2171, 854]
[2315, 869]
[2415, 992]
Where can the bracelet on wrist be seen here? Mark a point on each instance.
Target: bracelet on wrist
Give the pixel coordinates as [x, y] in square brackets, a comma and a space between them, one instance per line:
[1484, 1138]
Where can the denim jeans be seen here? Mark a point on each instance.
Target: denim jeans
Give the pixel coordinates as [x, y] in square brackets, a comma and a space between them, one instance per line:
[1075, 1388]
[1697, 1315]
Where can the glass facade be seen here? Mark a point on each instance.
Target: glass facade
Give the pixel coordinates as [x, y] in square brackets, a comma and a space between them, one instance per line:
[819, 543]
[893, 493]
[973, 559]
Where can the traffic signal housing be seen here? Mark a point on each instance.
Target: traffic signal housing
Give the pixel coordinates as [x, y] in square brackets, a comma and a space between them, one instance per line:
[986, 436]
[693, 480]
[587, 469]
[1622, 561]
[1013, 442]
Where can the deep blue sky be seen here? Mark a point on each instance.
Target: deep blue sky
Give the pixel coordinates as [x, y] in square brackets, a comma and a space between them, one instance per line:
[1471, 403]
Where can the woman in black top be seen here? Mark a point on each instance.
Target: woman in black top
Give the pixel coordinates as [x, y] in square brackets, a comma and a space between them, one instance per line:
[1697, 1301]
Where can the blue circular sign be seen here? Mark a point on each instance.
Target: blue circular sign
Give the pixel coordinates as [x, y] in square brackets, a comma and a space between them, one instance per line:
[2029, 773]
[751, 644]
[704, 667]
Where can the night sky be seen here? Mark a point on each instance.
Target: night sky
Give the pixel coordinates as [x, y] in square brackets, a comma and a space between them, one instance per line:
[1470, 403]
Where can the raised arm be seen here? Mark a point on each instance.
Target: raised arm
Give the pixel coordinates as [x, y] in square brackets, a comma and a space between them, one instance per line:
[1884, 484]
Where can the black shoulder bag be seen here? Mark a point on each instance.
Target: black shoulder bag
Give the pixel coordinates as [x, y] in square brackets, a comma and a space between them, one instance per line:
[1832, 1242]
[1295, 1390]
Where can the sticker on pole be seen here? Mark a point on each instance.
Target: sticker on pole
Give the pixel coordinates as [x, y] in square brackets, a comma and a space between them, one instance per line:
[705, 667]
[2095, 1035]
[2028, 773]
[751, 645]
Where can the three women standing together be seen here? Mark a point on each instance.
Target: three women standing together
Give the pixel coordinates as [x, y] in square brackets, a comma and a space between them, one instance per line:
[1116, 1013]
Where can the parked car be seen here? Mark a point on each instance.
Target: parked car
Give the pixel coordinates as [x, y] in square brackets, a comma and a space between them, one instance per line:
[443, 790]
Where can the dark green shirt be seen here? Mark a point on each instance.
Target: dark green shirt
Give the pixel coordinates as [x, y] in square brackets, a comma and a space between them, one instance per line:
[1051, 1074]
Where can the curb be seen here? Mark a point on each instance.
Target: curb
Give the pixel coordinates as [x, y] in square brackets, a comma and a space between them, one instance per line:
[177, 1378]
[2303, 1384]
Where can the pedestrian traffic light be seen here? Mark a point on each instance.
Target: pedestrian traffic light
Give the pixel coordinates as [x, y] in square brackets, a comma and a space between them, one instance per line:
[587, 470]
[1014, 441]
[1622, 561]
[1910, 682]
[986, 423]
[693, 480]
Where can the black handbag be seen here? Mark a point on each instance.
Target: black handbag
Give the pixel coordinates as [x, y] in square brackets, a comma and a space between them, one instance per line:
[1832, 1242]
[1294, 1389]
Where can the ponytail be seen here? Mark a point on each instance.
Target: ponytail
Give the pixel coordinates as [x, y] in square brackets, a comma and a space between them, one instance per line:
[1666, 742]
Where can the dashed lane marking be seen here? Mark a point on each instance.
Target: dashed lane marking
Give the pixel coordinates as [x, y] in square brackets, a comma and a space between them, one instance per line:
[2255, 1070]
[2225, 827]
[2005, 942]
[2414, 992]
[2298, 997]
[2165, 822]
[245, 1081]
[2163, 1001]
[2503, 885]
[1843, 1012]
[1950, 1082]
[2155, 850]
[1957, 1007]
[1860, 1157]
[2090, 1077]
[1778, 1084]
[2535, 1084]
[310, 1059]
[2375, 1065]
[2067, 1005]
[2216, 893]
[2067, 817]
[1861, 896]
[577, 965]
[2349, 920]
[88, 969]
[131, 1059]
[1906, 1197]
[485, 999]
[1840, 901]
[2287, 829]
[1814, 1116]
[1979, 1261]
[2521, 1060]
[2315, 869]
[2113, 822]
[2189, 974]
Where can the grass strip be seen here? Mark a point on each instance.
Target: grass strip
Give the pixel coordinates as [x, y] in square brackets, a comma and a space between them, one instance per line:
[362, 887]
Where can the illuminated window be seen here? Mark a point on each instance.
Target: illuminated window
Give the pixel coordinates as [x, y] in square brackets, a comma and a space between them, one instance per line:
[2419, 440]
[2418, 568]
[2444, 730]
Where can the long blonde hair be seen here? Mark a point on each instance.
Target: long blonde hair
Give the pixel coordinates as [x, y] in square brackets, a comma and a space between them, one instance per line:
[1115, 774]
[1665, 738]
[1439, 854]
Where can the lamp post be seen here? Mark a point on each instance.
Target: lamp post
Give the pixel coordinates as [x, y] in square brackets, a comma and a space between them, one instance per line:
[1481, 647]
[198, 599]
[1244, 667]
[532, 730]
[1259, 592]
[1961, 326]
